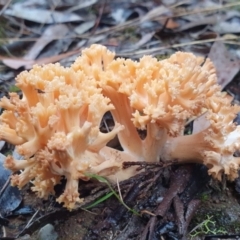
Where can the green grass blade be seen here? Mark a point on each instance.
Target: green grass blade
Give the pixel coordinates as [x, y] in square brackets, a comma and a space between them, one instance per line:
[102, 199]
[104, 180]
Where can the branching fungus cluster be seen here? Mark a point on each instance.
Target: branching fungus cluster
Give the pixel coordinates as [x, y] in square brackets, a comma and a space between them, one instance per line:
[56, 123]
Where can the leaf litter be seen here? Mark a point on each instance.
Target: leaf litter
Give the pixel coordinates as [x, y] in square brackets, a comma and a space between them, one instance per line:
[39, 32]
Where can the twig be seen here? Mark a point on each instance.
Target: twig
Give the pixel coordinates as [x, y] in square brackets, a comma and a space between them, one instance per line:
[158, 49]
[119, 190]
[149, 229]
[4, 186]
[148, 164]
[5, 7]
[178, 182]
[98, 18]
[31, 219]
[106, 126]
[92, 32]
[28, 224]
[135, 22]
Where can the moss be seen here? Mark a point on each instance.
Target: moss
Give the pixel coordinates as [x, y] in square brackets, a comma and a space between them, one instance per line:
[207, 226]
[204, 197]
[215, 218]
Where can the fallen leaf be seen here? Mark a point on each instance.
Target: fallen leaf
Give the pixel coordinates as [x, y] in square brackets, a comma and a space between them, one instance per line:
[191, 25]
[16, 63]
[171, 24]
[97, 38]
[81, 5]
[57, 47]
[226, 66]
[226, 69]
[2, 143]
[204, 35]
[3, 2]
[200, 124]
[144, 39]
[10, 197]
[227, 27]
[35, 3]
[41, 15]
[156, 12]
[51, 33]
[120, 15]
[169, 2]
[84, 27]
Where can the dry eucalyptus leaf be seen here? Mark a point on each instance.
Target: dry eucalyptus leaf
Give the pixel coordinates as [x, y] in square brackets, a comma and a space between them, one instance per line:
[200, 124]
[16, 63]
[120, 15]
[35, 3]
[226, 66]
[145, 38]
[3, 2]
[82, 4]
[51, 33]
[2, 143]
[227, 27]
[156, 12]
[41, 15]
[84, 27]
[10, 198]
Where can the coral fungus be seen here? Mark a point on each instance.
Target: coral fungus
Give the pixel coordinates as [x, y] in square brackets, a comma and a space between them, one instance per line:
[56, 123]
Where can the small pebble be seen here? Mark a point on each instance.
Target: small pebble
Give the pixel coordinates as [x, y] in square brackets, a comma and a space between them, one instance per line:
[47, 233]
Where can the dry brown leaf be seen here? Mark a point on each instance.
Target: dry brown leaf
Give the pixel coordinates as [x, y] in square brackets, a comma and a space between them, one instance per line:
[2, 143]
[200, 124]
[226, 66]
[16, 63]
[227, 27]
[171, 24]
[51, 33]
[144, 39]
[226, 69]
[158, 11]
[132, 46]
[3, 2]
[84, 27]
[41, 15]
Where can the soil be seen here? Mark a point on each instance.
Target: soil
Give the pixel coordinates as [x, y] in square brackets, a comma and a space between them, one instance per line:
[218, 202]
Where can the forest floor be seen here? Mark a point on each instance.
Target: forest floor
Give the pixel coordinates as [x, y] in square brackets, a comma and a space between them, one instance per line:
[169, 202]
